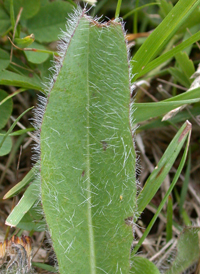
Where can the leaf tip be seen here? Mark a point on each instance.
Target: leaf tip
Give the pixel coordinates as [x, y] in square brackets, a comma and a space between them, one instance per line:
[188, 127]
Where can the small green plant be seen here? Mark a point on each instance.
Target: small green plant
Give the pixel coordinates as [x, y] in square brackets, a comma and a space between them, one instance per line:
[85, 175]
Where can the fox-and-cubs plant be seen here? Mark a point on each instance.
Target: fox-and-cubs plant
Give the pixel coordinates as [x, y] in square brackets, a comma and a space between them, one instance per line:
[87, 157]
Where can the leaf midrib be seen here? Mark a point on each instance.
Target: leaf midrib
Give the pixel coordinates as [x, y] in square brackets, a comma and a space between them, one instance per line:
[90, 226]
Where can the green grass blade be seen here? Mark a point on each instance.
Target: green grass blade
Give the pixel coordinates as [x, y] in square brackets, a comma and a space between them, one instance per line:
[135, 18]
[7, 144]
[162, 107]
[157, 109]
[169, 219]
[26, 202]
[87, 154]
[179, 118]
[11, 95]
[117, 12]
[5, 110]
[12, 14]
[139, 8]
[184, 215]
[165, 8]
[21, 131]
[186, 65]
[12, 156]
[168, 55]
[183, 134]
[161, 35]
[98, 6]
[18, 187]
[185, 184]
[179, 77]
[12, 127]
[189, 95]
[33, 220]
[158, 175]
[45, 267]
[186, 218]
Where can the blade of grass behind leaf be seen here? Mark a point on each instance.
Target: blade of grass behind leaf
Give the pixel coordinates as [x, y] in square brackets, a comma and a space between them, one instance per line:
[162, 169]
[21, 131]
[157, 109]
[117, 12]
[169, 219]
[18, 187]
[183, 133]
[162, 107]
[13, 125]
[139, 8]
[185, 183]
[184, 214]
[31, 195]
[46, 267]
[161, 35]
[12, 156]
[166, 56]
[12, 95]
[12, 14]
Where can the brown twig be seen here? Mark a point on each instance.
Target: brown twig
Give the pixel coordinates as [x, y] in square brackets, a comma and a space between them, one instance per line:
[171, 84]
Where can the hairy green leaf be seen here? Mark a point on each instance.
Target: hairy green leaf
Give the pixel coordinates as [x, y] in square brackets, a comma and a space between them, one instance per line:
[87, 154]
